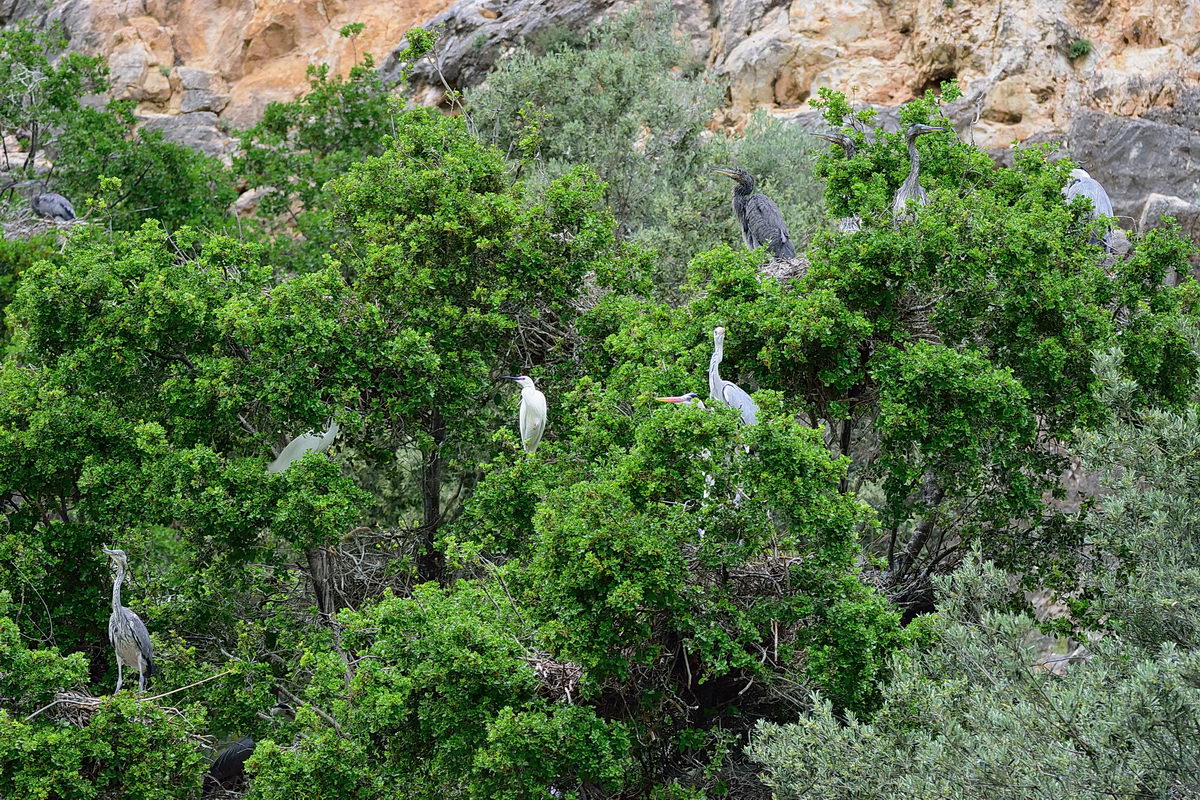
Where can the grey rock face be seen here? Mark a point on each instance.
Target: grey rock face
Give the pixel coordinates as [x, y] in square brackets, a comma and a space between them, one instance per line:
[476, 34]
[203, 90]
[1134, 158]
[199, 130]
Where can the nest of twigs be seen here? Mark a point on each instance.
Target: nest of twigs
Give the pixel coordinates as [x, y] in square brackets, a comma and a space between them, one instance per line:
[559, 679]
[26, 225]
[77, 709]
[785, 269]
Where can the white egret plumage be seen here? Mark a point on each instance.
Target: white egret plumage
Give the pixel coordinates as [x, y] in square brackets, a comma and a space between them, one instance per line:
[310, 442]
[533, 412]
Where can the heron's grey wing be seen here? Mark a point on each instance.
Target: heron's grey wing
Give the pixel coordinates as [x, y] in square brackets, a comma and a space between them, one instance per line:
[765, 225]
[63, 207]
[141, 637]
[1092, 190]
[736, 397]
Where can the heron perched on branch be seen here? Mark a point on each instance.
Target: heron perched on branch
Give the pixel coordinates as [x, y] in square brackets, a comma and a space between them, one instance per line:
[126, 630]
[228, 769]
[1084, 184]
[846, 142]
[49, 205]
[310, 442]
[533, 412]
[911, 189]
[762, 222]
[724, 391]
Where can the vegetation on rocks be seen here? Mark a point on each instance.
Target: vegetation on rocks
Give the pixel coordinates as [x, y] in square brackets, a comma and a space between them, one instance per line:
[661, 601]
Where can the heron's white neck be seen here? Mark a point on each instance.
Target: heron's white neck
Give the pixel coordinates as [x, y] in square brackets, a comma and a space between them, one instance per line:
[714, 363]
[116, 597]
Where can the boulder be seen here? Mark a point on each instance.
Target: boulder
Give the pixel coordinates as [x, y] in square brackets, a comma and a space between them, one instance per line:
[203, 90]
[200, 130]
[476, 34]
[1134, 158]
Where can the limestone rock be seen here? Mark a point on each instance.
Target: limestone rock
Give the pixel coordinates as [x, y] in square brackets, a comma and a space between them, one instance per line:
[476, 34]
[1134, 158]
[203, 90]
[200, 130]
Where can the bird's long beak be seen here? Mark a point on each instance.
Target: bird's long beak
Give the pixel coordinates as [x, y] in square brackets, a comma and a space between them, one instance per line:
[935, 127]
[669, 399]
[728, 173]
[508, 377]
[826, 136]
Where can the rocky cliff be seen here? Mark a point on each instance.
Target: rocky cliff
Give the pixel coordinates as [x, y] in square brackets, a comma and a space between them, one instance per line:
[1118, 81]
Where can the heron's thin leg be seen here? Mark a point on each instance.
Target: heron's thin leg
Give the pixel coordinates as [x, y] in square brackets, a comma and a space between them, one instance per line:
[141, 677]
[120, 678]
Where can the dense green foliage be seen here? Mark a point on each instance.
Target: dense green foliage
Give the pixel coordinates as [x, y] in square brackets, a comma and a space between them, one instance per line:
[427, 611]
[971, 717]
[633, 102]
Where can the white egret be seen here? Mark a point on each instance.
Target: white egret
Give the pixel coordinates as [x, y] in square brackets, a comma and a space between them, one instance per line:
[126, 630]
[533, 412]
[724, 391]
[310, 442]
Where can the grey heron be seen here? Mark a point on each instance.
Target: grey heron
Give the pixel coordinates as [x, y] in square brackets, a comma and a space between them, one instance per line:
[1082, 183]
[126, 630]
[761, 220]
[724, 391]
[533, 412]
[911, 189]
[49, 205]
[228, 769]
[845, 224]
[310, 442]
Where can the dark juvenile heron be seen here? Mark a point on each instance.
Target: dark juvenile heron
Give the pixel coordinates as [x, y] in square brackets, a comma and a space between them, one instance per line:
[228, 770]
[126, 630]
[49, 205]
[761, 221]
[846, 142]
[1084, 184]
[911, 189]
[724, 391]
[843, 139]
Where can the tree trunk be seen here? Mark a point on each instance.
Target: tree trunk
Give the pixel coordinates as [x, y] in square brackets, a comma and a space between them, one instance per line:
[431, 563]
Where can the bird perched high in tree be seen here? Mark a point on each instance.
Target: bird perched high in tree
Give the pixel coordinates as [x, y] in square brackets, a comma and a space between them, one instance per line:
[911, 189]
[310, 442]
[761, 220]
[724, 391]
[533, 412]
[1082, 183]
[49, 205]
[126, 630]
[845, 224]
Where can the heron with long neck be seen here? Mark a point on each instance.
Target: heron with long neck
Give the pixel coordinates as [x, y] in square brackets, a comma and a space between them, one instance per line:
[126, 630]
[851, 224]
[724, 391]
[761, 220]
[911, 189]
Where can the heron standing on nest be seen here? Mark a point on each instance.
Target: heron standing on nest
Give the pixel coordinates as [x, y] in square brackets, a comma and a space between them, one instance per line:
[126, 630]
[761, 220]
